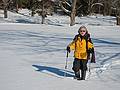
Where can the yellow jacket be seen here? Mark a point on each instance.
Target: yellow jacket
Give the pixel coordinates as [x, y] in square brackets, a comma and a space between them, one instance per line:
[79, 47]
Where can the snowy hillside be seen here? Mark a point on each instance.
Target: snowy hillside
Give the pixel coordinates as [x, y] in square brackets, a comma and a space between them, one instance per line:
[24, 17]
[32, 56]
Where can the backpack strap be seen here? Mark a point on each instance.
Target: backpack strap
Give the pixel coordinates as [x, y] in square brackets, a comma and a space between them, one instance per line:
[76, 37]
[88, 39]
[90, 51]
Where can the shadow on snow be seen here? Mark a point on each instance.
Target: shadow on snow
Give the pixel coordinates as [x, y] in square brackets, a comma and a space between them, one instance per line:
[105, 42]
[56, 71]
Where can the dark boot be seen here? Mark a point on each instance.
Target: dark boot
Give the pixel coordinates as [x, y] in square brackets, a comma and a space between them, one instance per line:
[77, 75]
[83, 74]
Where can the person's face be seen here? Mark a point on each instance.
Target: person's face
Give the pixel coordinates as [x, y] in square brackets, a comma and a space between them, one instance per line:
[82, 31]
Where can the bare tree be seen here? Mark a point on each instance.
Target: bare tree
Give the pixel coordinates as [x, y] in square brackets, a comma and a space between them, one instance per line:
[5, 4]
[107, 7]
[46, 6]
[43, 12]
[116, 7]
[118, 11]
[86, 6]
[42, 8]
[90, 5]
[72, 12]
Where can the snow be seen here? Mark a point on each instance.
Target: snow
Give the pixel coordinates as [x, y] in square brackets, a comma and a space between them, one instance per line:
[32, 56]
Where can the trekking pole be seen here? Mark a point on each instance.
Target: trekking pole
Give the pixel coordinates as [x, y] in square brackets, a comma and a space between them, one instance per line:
[66, 64]
[89, 70]
[89, 66]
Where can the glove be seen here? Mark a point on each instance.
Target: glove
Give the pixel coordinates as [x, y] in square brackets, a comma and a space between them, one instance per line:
[68, 49]
[91, 50]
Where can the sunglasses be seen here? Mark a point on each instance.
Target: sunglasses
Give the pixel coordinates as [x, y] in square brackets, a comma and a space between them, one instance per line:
[82, 31]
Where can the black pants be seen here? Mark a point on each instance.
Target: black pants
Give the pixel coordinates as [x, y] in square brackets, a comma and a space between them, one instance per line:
[79, 64]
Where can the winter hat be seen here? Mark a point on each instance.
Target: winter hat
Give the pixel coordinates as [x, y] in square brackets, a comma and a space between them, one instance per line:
[81, 28]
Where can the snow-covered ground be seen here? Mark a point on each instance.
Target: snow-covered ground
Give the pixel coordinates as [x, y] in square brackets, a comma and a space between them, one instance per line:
[32, 56]
[24, 17]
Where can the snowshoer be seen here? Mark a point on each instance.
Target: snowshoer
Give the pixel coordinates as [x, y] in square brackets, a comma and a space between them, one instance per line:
[82, 46]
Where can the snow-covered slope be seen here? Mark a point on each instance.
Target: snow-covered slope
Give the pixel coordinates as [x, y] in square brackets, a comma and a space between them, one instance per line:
[24, 17]
[32, 56]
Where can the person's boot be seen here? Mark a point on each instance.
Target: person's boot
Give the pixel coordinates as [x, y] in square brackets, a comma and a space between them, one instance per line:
[83, 74]
[77, 75]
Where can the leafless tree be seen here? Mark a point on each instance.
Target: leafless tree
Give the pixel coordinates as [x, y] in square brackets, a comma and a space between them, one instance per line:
[42, 8]
[107, 7]
[5, 7]
[117, 5]
[71, 12]
[90, 3]
[74, 8]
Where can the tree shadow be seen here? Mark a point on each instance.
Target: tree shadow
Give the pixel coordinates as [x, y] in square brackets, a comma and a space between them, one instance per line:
[55, 71]
[105, 41]
[110, 58]
[24, 21]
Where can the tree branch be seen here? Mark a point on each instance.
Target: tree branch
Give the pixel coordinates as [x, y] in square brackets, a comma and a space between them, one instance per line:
[64, 9]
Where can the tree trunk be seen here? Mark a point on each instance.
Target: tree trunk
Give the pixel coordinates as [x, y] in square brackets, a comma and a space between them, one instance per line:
[5, 11]
[43, 15]
[107, 7]
[6, 3]
[118, 20]
[89, 7]
[17, 7]
[72, 17]
[105, 11]
[33, 12]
